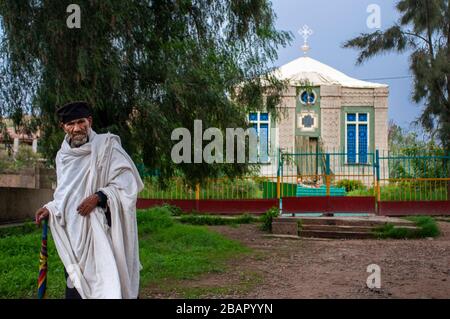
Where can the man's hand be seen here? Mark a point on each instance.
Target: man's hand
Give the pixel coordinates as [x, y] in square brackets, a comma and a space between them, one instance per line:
[88, 205]
[41, 214]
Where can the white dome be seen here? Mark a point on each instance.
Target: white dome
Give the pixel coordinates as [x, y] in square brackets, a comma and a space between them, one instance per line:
[306, 68]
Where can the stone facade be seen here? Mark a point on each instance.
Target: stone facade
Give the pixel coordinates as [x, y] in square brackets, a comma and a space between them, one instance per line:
[333, 99]
[286, 124]
[314, 119]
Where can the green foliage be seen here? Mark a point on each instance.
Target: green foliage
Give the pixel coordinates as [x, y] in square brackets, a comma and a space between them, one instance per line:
[146, 67]
[25, 158]
[267, 219]
[24, 229]
[168, 251]
[233, 189]
[427, 228]
[422, 30]
[179, 251]
[407, 191]
[26, 155]
[19, 261]
[427, 224]
[174, 210]
[351, 185]
[411, 157]
[217, 220]
[304, 85]
[154, 220]
[222, 188]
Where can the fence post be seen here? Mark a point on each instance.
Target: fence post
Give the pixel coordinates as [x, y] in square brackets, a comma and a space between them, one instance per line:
[279, 172]
[197, 196]
[278, 175]
[328, 170]
[377, 168]
[447, 170]
[197, 191]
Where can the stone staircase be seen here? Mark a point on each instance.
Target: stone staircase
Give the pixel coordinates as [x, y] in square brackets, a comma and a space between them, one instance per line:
[334, 227]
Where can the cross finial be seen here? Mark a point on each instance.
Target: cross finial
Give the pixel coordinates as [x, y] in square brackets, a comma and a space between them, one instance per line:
[305, 32]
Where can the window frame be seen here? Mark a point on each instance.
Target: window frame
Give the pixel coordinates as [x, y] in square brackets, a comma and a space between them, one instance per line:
[308, 103]
[258, 123]
[357, 122]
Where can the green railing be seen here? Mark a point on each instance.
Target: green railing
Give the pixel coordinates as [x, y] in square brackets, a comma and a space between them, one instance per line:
[387, 176]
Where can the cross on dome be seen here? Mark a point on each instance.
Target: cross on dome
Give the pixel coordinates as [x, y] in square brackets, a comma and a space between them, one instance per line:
[305, 32]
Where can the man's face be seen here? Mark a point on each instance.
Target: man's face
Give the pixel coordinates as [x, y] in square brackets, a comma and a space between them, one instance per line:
[78, 130]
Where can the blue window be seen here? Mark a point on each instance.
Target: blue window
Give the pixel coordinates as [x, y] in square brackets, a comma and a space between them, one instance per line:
[351, 143]
[308, 97]
[261, 123]
[362, 143]
[357, 138]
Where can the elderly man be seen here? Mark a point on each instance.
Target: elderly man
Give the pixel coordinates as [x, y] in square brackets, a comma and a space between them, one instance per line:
[93, 214]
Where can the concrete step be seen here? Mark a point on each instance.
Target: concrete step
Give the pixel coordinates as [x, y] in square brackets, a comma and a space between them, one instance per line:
[335, 235]
[347, 221]
[338, 228]
[335, 227]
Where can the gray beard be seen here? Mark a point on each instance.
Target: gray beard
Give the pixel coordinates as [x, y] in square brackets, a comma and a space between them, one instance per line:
[79, 141]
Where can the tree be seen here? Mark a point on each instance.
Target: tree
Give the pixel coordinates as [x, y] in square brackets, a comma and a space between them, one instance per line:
[146, 66]
[425, 158]
[400, 139]
[424, 30]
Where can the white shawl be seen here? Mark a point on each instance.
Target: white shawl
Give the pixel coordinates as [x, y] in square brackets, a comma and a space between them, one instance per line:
[102, 261]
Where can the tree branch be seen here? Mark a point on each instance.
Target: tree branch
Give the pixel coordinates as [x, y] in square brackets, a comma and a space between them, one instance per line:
[414, 35]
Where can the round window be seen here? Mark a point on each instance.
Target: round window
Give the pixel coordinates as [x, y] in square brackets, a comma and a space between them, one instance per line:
[307, 98]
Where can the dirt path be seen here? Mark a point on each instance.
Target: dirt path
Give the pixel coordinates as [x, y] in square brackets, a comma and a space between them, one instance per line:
[312, 268]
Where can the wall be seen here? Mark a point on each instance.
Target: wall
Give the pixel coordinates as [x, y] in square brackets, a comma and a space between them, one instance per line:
[17, 204]
[24, 192]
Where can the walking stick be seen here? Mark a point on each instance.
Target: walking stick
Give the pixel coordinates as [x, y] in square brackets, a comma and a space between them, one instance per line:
[42, 280]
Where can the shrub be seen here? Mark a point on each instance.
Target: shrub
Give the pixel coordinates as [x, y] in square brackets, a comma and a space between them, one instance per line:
[427, 228]
[351, 185]
[267, 218]
[25, 158]
[174, 210]
[216, 220]
[246, 219]
[154, 219]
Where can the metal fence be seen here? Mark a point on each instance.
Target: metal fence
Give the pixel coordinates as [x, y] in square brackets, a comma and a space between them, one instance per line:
[410, 176]
[329, 170]
[413, 176]
[261, 186]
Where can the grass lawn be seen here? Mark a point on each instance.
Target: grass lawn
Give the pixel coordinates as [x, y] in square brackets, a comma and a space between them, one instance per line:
[169, 250]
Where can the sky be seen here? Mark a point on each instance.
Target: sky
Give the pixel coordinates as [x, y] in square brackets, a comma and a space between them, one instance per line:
[335, 21]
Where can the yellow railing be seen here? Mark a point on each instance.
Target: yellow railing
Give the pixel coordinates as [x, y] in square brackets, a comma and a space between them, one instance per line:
[413, 189]
[219, 188]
